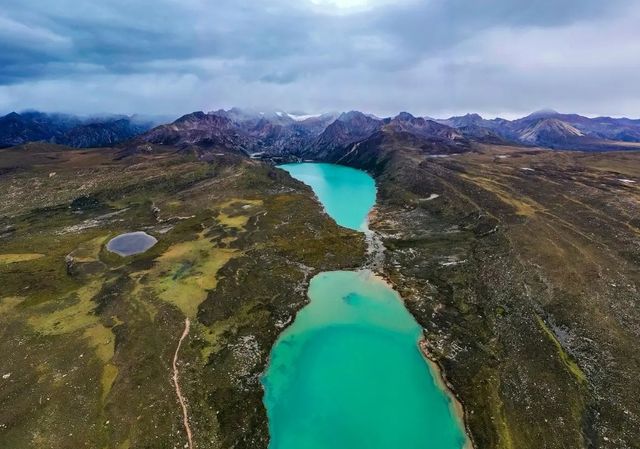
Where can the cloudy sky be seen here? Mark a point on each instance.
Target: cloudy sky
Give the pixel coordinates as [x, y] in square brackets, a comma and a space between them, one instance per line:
[429, 57]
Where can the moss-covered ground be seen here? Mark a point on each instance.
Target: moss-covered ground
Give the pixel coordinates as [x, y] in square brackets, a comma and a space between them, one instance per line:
[523, 270]
[88, 337]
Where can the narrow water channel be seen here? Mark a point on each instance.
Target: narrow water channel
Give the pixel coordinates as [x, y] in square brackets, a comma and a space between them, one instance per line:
[347, 373]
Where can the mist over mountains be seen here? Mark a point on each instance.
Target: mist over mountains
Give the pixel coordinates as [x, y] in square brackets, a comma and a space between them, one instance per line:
[72, 130]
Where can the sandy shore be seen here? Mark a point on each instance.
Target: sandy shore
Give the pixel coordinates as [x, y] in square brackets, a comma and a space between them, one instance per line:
[441, 380]
[438, 373]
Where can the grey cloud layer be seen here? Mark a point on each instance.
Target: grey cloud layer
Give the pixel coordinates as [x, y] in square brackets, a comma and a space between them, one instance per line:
[431, 56]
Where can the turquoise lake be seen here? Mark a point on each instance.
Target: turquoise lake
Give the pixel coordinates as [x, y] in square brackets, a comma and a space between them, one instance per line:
[347, 194]
[347, 373]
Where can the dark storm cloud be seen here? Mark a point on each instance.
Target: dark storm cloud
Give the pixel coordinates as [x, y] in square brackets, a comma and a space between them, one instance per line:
[431, 56]
[114, 33]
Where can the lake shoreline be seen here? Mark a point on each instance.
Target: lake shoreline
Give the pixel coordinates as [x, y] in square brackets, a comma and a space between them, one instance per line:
[443, 383]
[439, 376]
[360, 283]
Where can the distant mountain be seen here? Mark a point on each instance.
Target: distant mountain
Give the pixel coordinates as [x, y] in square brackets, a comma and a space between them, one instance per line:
[200, 129]
[332, 137]
[465, 121]
[275, 133]
[372, 152]
[359, 139]
[101, 134]
[278, 132]
[289, 135]
[16, 129]
[405, 122]
[548, 131]
[33, 126]
[552, 129]
[348, 128]
[620, 129]
[481, 134]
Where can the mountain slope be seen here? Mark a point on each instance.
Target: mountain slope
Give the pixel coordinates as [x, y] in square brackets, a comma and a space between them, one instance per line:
[101, 134]
[552, 129]
[16, 129]
[405, 122]
[548, 131]
[210, 130]
[372, 152]
[355, 136]
[238, 130]
[348, 128]
[33, 126]
[522, 266]
[238, 241]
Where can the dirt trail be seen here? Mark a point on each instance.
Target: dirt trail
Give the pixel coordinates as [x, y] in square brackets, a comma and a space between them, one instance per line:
[183, 403]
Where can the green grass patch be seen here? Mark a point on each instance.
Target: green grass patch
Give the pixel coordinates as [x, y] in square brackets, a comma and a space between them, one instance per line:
[571, 365]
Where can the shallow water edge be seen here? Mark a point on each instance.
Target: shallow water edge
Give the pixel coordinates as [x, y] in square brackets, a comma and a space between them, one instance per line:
[457, 406]
[416, 403]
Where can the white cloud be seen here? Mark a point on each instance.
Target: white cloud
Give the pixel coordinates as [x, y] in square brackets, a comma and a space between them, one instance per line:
[585, 45]
[352, 6]
[29, 36]
[433, 57]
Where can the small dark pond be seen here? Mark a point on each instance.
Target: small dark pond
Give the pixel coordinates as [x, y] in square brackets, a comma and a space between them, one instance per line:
[131, 243]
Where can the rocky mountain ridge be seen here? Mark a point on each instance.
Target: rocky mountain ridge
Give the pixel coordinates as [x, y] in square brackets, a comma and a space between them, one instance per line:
[281, 134]
[65, 129]
[330, 136]
[552, 129]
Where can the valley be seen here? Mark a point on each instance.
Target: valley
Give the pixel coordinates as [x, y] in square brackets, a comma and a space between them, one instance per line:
[519, 263]
[524, 273]
[89, 336]
[348, 371]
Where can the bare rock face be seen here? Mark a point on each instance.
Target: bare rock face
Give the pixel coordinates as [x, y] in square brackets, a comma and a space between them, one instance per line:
[198, 128]
[405, 122]
[552, 129]
[549, 130]
[349, 128]
[248, 132]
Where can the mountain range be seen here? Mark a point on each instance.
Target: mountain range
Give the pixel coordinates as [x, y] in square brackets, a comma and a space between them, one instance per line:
[519, 264]
[277, 134]
[548, 128]
[74, 131]
[331, 136]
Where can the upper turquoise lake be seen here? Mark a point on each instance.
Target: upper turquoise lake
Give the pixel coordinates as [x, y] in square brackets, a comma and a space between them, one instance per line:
[347, 194]
[348, 373]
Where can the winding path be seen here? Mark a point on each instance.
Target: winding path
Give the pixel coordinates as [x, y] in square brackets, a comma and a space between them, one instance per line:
[183, 403]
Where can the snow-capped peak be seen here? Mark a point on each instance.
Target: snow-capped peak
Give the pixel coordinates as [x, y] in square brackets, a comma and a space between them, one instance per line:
[302, 117]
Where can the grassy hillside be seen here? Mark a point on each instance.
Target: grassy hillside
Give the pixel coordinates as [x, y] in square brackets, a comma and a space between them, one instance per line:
[88, 337]
[522, 265]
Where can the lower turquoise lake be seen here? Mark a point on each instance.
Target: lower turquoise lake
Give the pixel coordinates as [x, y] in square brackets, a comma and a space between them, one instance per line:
[348, 373]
